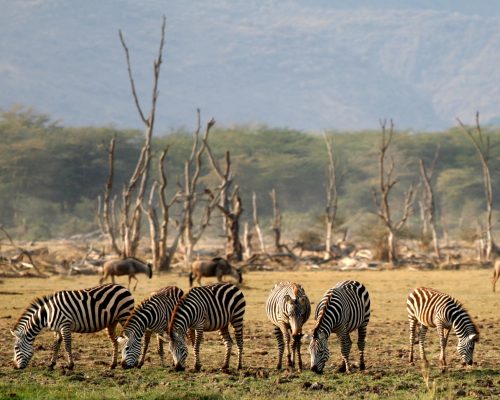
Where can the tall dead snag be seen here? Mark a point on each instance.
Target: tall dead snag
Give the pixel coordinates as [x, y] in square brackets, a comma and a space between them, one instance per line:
[276, 222]
[482, 146]
[234, 248]
[191, 197]
[257, 224]
[331, 198]
[428, 204]
[381, 198]
[134, 191]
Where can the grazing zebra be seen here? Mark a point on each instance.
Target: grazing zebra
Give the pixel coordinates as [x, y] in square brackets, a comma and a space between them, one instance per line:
[83, 311]
[128, 266]
[207, 308]
[152, 315]
[432, 309]
[288, 308]
[343, 309]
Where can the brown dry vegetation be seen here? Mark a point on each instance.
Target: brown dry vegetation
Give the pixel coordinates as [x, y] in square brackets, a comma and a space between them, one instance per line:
[388, 374]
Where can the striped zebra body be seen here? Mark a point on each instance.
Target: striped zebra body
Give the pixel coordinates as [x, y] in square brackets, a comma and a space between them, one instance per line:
[343, 309]
[207, 308]
[433, 309]
[288, 308]
[151, 316]
[82, 311]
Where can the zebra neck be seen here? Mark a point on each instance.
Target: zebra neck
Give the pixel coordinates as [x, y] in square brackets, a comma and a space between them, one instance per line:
[33, 321]
[463, 325]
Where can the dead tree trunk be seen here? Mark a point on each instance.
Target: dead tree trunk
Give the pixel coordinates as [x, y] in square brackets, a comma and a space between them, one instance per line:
[482, 146]
[234, 249]
[331, 198]
[257, 224]
[429, 204]
[381, 198]
[276, 222]
[134, 191]
[247, 240]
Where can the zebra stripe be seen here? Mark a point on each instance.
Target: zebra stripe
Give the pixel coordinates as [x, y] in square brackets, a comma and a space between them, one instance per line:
[343, 309]
[433, 309]
[207, 308]
[288, 308]
[83, 311]
[152, 315]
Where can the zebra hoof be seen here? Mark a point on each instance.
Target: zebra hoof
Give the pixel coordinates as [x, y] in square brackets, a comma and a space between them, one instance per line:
[362, 366]
[197, 368]
[50, 367]
[342, 368]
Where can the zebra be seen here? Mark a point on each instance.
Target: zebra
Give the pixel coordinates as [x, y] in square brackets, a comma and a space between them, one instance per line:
[152, 315]
[207, 308]
[82, 311]
[288, 308]
[433, 309]
[343, 309]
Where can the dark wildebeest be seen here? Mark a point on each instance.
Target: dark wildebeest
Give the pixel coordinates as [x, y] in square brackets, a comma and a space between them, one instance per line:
[217, 266]
[496, 273]
[129, 266]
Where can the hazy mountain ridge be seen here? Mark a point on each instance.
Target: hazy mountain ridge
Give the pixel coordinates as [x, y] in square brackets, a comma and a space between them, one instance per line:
[282, 63]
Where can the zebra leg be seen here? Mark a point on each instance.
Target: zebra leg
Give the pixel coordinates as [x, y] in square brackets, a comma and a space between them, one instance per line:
[443, 340]
[413, 325]
[238, 333]
[228, 344]
[145, 345]
[361, 346]
[114, 343]
[197, 343]
[55, 349]
[296, 344]
[289, 362]
[161, 353]
[66, 336]
[345, 349]
[421, 343]
[281, 346]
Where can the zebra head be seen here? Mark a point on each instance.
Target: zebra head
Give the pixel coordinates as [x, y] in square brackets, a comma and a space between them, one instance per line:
[131, 349]
[465, 348]
[295, 309]
[179, 350]
[23, 350]
[318, 348]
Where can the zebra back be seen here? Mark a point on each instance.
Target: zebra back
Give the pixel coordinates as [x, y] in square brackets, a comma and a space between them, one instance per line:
[153, 312]
[430, 306]
[213, 306]
[288, 304]
[346, 306]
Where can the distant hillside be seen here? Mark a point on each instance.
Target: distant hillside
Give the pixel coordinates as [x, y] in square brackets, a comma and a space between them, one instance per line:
[297, 64]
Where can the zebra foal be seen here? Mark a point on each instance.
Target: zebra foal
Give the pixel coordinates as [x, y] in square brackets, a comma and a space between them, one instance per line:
[207, 308]
[152, 315]
[343, 309]
[82, 311]
[433, 309]
[288, 308]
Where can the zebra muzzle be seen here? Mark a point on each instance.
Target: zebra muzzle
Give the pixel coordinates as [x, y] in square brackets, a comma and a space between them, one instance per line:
[179, 368]
[126, 366]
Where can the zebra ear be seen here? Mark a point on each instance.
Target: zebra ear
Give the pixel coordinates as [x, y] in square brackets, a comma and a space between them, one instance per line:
[473, 337]
[288, 299]
[302, 300]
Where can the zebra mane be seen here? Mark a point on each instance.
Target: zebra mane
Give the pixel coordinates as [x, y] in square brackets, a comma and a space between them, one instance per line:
[176, 309]
[35, 304]
[136, 309]
[322, 313]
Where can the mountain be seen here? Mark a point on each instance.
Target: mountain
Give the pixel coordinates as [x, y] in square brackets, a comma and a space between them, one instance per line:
[308, 65]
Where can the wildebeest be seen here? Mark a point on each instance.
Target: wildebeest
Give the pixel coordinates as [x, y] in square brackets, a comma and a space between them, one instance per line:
[496, 273]
[128, 266]
[217, 266]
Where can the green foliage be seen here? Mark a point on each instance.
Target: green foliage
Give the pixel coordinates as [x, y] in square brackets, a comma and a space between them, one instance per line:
[51, 175]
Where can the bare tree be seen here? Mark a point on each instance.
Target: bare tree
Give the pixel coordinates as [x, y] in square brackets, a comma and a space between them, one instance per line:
[134, 191]
[331, 197]
[232, 214]
[276, 222]
[428, 204]
[482, 146]
[256, 223]
[386, 184]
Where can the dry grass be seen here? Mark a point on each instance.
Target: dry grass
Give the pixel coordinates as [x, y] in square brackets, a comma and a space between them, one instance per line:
[388, 375]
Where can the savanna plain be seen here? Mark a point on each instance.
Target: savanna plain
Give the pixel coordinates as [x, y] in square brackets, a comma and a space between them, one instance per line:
[388, 374]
